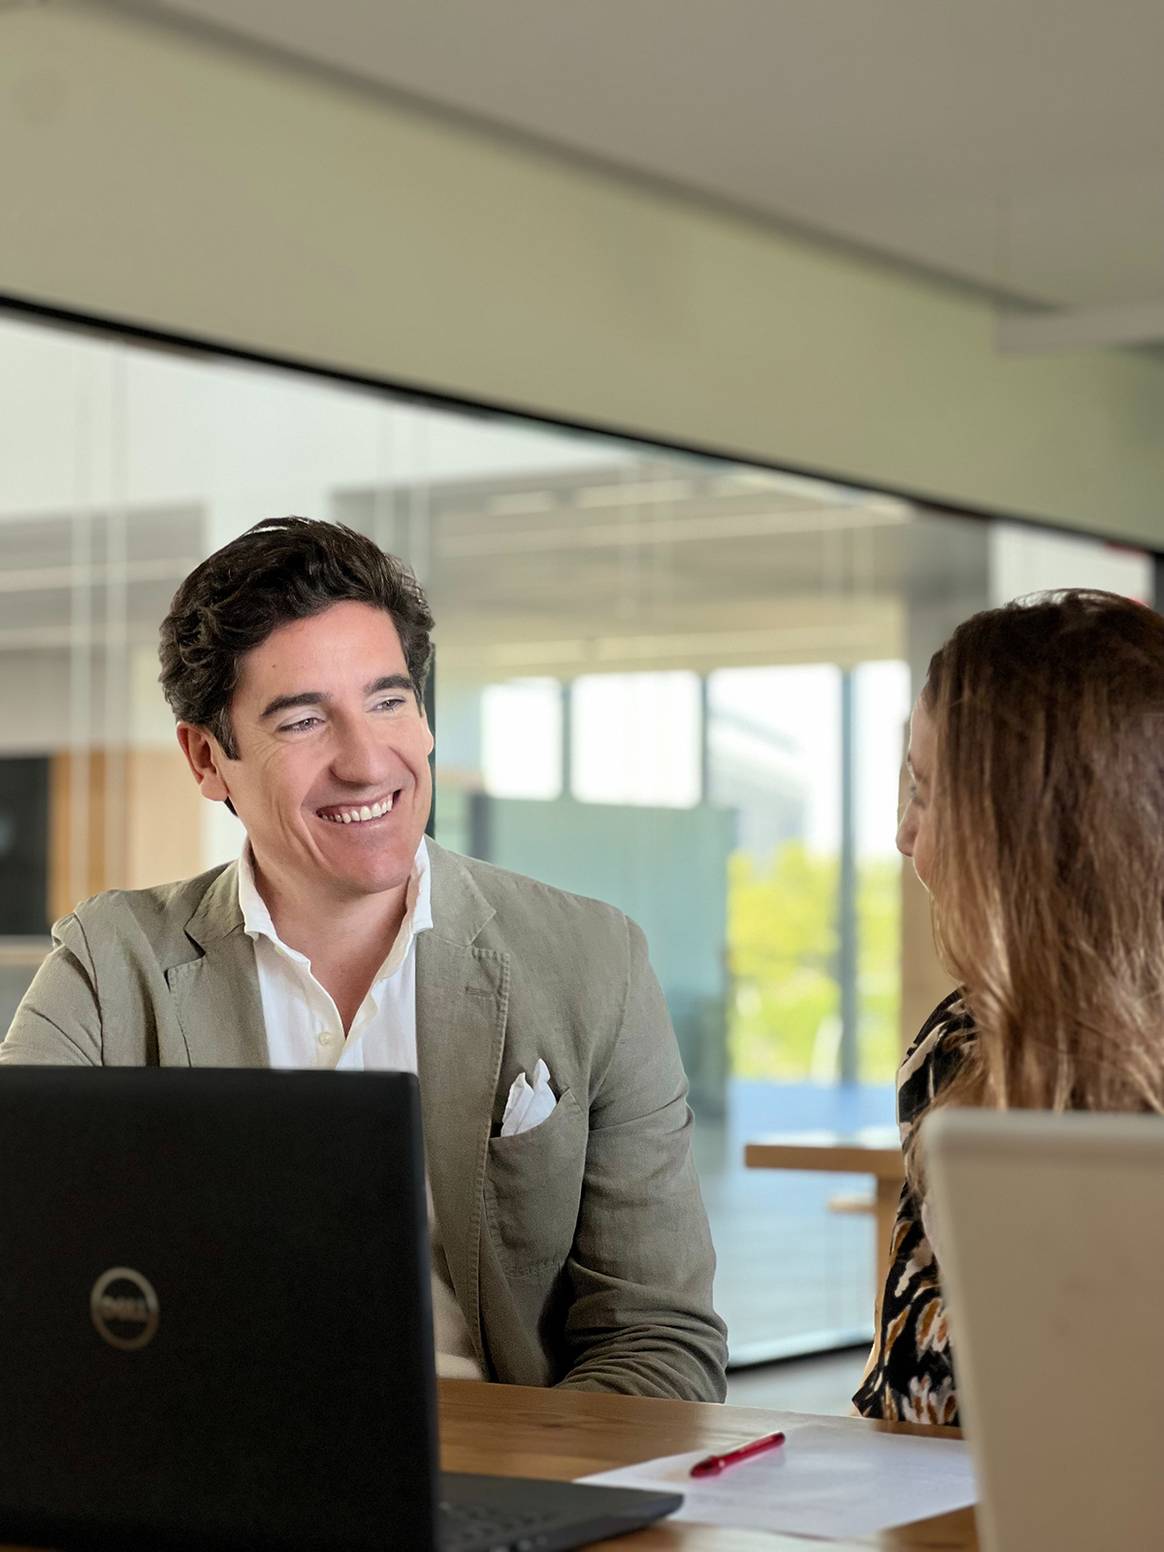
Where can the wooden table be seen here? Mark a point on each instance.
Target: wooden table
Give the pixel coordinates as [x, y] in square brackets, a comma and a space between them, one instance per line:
[508, 1430]
[875, 1152]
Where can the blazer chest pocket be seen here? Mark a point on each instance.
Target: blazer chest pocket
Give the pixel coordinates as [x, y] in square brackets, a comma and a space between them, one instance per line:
[533, 1187]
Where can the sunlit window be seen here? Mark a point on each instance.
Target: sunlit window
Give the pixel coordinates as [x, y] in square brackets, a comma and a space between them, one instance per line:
[636, 739]
[521, 739]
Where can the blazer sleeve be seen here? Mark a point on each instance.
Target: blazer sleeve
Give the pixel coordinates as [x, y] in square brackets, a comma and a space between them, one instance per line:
[641, 1319]
[58, 1022]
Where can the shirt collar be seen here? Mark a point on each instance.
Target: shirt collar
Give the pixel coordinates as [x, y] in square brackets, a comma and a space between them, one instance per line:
[257, 920]
[418, 899]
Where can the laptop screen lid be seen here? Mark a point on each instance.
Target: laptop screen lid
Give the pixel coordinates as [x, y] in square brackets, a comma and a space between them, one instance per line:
[1047, 1230]
[197, 1343]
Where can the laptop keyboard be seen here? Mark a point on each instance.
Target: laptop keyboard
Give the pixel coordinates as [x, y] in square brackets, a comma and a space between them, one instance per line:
[465, 1527]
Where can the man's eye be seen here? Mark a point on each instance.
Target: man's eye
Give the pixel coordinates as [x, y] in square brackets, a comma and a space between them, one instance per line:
[301, 726]
[390, 703]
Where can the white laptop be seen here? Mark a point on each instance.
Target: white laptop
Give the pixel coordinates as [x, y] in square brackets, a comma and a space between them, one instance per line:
[1049, 1233]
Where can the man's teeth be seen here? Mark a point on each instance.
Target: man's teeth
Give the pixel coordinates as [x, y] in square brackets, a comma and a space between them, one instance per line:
[358, 815]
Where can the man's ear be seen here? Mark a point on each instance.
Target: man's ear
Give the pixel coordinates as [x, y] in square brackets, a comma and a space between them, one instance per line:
[206, 760]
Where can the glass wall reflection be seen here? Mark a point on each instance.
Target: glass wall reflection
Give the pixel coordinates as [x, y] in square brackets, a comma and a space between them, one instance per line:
[675, 683]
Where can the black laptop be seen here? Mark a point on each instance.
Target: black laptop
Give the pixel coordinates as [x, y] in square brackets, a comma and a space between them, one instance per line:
[215, 1323]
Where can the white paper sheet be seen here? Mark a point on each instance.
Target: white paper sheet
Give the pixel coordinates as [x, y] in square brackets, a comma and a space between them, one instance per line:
[832, 1477]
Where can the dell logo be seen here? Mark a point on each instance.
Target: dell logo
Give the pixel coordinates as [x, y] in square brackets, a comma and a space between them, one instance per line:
[124, 1308]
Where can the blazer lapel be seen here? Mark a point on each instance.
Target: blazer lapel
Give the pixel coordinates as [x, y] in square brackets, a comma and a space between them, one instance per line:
[216, 994]
[462, 998]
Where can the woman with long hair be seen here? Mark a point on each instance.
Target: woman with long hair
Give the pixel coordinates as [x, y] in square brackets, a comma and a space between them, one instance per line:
[1035, 818]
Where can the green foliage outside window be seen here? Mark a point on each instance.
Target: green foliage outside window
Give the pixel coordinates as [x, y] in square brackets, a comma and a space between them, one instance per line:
[784, 1014]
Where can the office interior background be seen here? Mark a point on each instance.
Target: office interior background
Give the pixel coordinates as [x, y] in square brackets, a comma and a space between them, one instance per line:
[701, 434]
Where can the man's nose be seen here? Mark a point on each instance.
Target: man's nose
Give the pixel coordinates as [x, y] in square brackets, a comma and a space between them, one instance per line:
[362, 755]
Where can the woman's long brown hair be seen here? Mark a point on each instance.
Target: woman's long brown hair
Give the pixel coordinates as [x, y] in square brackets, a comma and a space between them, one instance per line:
[1048, 874]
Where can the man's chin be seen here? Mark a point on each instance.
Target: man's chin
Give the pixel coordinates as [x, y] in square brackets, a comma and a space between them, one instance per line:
[352, 868]
[364, 883]
[362, 888]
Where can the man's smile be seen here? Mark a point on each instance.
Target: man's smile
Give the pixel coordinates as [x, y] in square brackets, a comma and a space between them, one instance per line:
[359, 813]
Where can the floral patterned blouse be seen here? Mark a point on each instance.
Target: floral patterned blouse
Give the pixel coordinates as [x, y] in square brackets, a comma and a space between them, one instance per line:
[910, 1377]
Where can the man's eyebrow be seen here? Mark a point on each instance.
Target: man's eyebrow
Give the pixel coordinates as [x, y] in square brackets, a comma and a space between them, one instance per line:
[285, 702]
[391, 682]
[321, 697]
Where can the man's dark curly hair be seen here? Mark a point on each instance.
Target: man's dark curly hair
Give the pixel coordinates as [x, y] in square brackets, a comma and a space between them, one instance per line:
[282, 569]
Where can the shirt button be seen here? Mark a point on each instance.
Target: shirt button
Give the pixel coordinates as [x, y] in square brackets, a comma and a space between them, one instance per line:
[326, 1038]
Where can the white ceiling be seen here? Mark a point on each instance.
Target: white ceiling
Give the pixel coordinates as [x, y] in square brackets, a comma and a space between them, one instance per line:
[1015, 144]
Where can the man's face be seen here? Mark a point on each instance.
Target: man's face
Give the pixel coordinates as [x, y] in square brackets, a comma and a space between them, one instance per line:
[327, 730]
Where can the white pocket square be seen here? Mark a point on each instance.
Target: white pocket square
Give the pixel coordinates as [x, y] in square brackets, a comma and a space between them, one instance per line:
[529, 1103]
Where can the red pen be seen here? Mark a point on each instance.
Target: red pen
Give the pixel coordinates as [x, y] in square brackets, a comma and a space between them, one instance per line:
[712, 1465]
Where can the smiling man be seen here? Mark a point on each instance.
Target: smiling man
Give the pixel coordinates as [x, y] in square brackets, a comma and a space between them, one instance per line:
[570, 1245]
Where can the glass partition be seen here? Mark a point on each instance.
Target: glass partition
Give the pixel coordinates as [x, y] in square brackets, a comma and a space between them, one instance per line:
[676, 683]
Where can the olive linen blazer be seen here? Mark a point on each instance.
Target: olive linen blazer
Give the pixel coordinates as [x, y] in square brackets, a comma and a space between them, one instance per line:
[579, 1251]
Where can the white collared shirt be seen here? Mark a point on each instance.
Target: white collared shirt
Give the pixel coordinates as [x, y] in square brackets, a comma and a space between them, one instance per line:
[304, 1030]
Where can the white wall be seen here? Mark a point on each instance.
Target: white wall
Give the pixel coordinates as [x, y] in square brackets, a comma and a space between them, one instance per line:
[147, 176]
[1025, 560]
